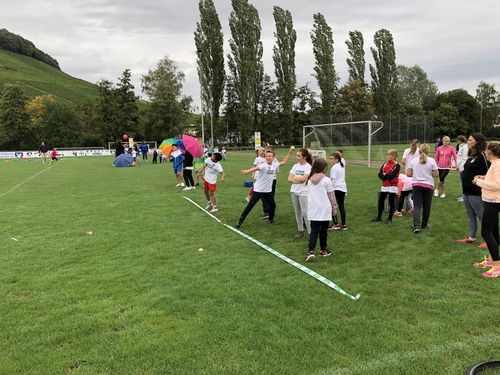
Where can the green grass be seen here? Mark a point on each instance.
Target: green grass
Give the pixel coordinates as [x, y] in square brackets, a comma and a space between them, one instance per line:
[37, 78]
[137, 297]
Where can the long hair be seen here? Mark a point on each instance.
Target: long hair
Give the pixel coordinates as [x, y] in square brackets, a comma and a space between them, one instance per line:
[414, 145]
[338, 157]
[318, 166]
[480, 144]
[424, 151]
[306, 155]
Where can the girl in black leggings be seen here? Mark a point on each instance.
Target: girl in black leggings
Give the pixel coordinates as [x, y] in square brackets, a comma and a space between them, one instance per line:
[490, 194]
[187, 172]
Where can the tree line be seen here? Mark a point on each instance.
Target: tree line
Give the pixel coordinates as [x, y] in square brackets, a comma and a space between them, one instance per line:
[239, 98]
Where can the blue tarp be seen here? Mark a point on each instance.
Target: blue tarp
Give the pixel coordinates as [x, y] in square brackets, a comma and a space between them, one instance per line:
[123, 160]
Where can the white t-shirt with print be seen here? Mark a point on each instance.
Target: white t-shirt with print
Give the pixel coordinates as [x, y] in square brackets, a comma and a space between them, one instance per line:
[259, 160]
[212, 169]
[265, 177]
[319, 207]
[300, 170]
[337, 175]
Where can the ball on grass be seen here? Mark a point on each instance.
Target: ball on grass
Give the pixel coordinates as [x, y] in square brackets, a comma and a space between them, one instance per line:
[200, 249]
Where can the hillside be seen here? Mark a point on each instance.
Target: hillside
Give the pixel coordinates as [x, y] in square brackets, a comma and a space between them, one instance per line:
[38, 78]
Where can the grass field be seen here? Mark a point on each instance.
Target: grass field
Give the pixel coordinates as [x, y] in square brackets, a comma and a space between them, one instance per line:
[37, 78]
[138, 297]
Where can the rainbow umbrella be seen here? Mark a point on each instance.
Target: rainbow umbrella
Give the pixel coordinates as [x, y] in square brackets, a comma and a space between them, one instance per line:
[166, 146]
[192, 146]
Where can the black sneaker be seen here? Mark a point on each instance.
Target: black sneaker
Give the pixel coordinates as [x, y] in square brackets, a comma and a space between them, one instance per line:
[264, 217]
[325, 253]
[375, 219]
[238, 224]
[416, 230]
[310, 255]
[388, 221]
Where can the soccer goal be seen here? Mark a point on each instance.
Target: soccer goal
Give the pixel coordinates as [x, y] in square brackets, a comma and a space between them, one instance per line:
[151, 144]
[357, 139]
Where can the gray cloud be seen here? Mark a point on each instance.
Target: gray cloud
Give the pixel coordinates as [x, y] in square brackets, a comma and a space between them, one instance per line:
[455, 42]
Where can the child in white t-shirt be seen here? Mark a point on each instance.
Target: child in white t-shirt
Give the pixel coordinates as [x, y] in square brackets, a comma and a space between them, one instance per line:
[298, 177]
[261, 152]
[212, 168]
[337, 175]
[321, 204]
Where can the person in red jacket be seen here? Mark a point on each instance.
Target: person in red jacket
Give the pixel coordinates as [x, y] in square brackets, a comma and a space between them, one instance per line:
[53, 155]
[389, 174]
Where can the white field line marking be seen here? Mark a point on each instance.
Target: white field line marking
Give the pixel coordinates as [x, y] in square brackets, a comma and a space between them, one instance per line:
[304, 269]
[13, 238]
[21, 183]
[396, 359]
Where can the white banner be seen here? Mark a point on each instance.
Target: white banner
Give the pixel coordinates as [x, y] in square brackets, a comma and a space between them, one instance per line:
[62, 153]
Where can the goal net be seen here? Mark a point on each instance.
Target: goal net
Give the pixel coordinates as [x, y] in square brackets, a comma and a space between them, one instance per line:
[151, 144]
[360, 140]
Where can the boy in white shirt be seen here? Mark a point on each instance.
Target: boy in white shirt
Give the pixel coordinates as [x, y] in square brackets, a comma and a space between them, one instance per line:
[212, 168]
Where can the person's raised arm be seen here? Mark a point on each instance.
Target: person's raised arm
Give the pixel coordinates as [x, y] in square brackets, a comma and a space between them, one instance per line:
[251, 170]
[287, 157]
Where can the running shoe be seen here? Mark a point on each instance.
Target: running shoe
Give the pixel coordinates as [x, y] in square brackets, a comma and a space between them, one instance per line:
[186, 188]
[492, 272]
[334, 227]
[443, 195]
[416, 230]
[238, 224]
[247, 198]
[466, 240]
[486, 263]
[460, 199]
[215, 209]
[209, 206]
[264, 217]
[344, 227]
[483, 245]
[325, 253]
[310, 255]
[436, 193]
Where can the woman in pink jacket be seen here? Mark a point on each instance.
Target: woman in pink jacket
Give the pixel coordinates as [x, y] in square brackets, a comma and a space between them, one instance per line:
[443, 157]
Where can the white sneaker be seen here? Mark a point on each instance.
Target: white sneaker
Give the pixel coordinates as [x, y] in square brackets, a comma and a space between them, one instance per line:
[209, 206]
[443, 195]
[182, 184]
[187, 188]
[436, 192]
[460, 199]
[177, 185]
[247, 199]
[215, 209]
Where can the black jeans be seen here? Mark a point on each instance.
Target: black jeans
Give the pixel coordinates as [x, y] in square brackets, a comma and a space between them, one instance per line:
[422, 199]
[489, 228]
[392, 204]
[188, 177]
[318, 228]
[401, 202]
[265, 206]
[267, 198]
[340, 197]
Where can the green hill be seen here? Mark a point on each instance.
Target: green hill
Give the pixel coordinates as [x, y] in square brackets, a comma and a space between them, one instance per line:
[37, 78]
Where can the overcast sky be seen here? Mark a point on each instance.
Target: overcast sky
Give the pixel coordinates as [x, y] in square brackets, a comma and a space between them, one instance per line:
[456, 42]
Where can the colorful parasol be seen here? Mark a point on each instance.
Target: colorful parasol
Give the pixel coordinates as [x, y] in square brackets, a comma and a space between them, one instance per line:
[166, 146]
[192, 146]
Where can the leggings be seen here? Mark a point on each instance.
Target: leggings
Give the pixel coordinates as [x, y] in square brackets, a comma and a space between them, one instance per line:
[318, 228]
[489, 228]
[401, 202]
[188, 177]
[422, 200]
[267, 198]
[392, 204]
[265, 205]
[340, 197]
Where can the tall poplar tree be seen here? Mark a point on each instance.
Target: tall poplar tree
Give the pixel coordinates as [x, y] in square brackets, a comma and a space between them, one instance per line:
[209, 41]
[322, 40]
[356, 63]
[245, 61]
[284, 65]
[384, 73]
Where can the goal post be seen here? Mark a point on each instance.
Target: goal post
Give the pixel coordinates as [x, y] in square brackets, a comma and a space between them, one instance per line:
[358, 137]
[151, 144]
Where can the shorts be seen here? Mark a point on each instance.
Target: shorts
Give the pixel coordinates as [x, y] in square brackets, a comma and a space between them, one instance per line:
[177, 169]
[442, 174]
[208, 186]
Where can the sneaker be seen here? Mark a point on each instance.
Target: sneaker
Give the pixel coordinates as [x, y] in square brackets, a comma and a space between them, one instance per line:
[336, 227]
[436, 192]
[209, 206]
[177, 185]
[388, 221]
[264, 217]
[483, 245]
[325, 253]
[492, 272]
[344, 227]
[299, 234]
[416, 230]
[375, 219]
[310, 255]
[186, 188]
[247, 198]
[214, 209]
[182, 184]
[486, 263]
[466, 240]
[238, 224]
[443, 195]
[398, 214]
[460, 199]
